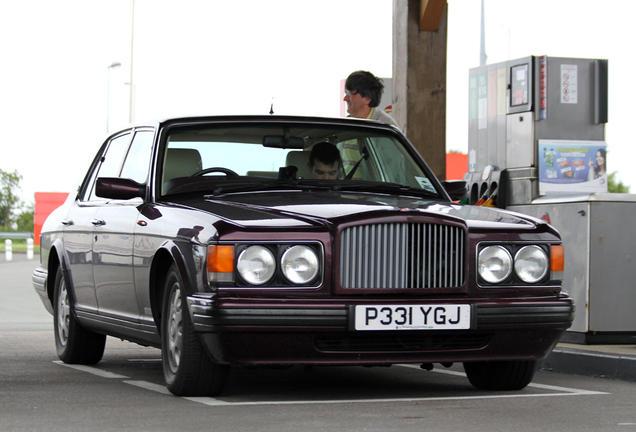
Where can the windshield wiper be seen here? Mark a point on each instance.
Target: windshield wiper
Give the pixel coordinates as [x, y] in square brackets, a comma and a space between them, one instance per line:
[319, 185]
[385, 187]
[221, 189]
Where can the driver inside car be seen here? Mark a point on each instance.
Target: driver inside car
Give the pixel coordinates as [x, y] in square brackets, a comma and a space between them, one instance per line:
[325, 162]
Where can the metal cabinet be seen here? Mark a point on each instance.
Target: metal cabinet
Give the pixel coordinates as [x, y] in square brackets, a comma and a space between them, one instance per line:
[599, 235]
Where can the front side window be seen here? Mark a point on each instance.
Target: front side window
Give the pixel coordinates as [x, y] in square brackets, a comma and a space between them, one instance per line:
[108, 165]
[138, 159]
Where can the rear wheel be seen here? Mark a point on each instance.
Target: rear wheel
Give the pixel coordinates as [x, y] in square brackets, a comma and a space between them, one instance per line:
[74, 343]
[501, 375]
[188, 370]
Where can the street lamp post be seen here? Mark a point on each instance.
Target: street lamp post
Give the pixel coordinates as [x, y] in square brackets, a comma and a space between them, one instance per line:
[113, 65]
[131, 105]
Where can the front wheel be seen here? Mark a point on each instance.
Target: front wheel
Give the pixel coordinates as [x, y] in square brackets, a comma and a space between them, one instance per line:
[501, 375]
[187, 369]
[74, 344]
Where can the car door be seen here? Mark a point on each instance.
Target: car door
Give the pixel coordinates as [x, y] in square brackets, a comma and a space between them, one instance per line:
[79, 225]
[114, 239]
[78, 247]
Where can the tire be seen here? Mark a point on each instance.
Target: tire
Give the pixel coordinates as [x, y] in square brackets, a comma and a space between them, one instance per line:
[187, 369]
[74, 344]
[501, 375]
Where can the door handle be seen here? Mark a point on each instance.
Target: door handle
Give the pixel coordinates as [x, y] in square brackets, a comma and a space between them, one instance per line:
[67, 222]
[98, 222]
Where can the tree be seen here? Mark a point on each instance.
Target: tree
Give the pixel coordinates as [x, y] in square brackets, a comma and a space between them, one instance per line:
[10, 203]
[24, 220]
[616, 186]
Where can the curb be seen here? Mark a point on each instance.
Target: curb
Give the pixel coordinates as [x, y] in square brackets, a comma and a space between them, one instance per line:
[609, 366]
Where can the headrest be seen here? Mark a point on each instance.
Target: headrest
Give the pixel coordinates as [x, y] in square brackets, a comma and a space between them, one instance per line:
[299, 159]
[181, 163]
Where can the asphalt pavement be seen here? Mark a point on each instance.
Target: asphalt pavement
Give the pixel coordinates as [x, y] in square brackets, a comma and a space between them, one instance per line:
[616, 362]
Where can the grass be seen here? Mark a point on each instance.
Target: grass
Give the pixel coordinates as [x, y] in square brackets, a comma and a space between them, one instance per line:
[18, 245]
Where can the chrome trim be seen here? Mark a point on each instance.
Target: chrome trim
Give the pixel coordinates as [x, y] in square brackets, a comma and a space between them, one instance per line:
[519, 284]
[402, 256]
[221, 286]
[39, 279]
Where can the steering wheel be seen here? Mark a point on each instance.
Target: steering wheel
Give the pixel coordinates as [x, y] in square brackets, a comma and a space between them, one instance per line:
[228, 172]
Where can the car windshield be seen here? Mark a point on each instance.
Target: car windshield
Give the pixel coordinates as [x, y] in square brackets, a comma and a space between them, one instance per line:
[208, 157]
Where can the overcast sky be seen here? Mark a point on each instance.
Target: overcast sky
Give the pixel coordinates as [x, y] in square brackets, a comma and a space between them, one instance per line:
[220, 57]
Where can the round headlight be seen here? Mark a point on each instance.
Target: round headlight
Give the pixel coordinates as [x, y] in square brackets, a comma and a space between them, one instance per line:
[495, 264]
[256, 265]
[531, 264]
[299, 264]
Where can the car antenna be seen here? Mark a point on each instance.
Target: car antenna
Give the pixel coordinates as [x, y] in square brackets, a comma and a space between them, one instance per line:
[271, 109]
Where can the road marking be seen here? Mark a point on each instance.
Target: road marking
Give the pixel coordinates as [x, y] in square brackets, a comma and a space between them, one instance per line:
[535, 385]
[218, 402]
[209, 401]
[92, 370]
[158, 388]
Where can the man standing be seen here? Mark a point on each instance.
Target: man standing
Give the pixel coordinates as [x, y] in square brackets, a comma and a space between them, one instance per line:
[363, 92]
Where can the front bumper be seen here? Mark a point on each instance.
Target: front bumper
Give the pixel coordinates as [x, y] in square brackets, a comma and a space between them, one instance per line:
[39, 279]
[209, 317]
[324, 334]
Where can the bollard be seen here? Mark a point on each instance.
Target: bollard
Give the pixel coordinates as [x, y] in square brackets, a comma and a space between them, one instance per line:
[8, 250]
[30, 248]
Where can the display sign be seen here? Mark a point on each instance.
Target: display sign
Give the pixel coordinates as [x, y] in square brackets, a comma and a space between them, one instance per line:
[519, 85]
[569, 84]
[543, 88]
[482, 102]
[572, 166]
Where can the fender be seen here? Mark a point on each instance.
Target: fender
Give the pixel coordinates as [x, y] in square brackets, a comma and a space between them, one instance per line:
[58, 250]
[191, 274]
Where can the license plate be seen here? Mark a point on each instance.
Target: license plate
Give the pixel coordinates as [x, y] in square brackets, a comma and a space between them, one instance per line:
[413, 317]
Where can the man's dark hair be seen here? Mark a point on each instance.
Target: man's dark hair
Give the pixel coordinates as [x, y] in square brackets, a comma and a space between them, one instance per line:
[367, 85]
[326, 153]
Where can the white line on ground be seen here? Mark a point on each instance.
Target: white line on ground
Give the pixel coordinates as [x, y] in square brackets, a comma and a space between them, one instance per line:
[150, 386]
[535, 385]
[91, 370]
[209, 401]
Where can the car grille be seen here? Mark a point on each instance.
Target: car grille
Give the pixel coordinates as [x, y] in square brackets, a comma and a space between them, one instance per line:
[402, 256]
[401, 341]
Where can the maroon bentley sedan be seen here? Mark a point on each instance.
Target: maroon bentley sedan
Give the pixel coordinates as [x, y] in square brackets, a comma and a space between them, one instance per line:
[294, 240]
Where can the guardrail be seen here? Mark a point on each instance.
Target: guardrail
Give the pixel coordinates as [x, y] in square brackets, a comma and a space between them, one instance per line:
[8, 244]
[15, 235]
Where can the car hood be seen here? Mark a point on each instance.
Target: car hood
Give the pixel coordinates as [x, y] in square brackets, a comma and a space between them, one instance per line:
[294, 208]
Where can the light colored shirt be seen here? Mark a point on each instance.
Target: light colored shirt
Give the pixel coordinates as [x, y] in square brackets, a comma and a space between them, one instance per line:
[379, 114]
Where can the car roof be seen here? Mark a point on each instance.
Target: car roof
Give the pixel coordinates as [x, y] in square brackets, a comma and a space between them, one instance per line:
[165, 121]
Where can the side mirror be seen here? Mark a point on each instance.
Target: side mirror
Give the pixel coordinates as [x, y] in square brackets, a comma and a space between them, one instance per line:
[457, 189]
[119, 188]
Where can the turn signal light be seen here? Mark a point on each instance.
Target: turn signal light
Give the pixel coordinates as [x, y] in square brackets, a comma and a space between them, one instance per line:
[557, 258]
[557, 262]
[220, 263]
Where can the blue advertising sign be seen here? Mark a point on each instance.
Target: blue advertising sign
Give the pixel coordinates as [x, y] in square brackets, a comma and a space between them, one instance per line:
[572, 166]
